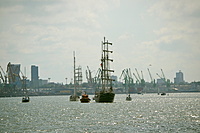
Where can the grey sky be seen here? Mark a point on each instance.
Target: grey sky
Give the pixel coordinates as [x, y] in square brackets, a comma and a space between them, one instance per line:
[165, 34]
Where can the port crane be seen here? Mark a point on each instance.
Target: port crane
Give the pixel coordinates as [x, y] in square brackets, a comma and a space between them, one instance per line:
[152, 80]
[89, 76]
[97, 79]
[167, 82]
[138, 74]
[141, 80]
[128, 79]
[137, 80]
[3, 76]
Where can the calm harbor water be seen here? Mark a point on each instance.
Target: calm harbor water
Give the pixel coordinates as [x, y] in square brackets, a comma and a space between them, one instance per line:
[178, 112]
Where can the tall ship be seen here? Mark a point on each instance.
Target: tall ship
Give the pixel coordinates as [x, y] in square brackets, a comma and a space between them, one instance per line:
[77, 81]
[105, 92]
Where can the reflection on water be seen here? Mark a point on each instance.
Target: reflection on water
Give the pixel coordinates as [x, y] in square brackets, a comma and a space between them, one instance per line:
[145, 113]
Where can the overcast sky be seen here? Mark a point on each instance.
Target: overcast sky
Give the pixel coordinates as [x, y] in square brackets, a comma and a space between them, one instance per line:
[145, 34]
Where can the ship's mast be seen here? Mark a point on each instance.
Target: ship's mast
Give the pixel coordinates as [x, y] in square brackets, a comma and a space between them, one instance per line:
[105, 76]
[74, 75]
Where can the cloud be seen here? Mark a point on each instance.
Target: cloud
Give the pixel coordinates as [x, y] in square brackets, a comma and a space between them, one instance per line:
[46, 33]
[179, 34]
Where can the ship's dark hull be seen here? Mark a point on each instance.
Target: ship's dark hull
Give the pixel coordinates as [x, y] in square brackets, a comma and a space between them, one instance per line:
[162, 94]
[104, 97]
[85, 100]
[25, 99]
[128, 98]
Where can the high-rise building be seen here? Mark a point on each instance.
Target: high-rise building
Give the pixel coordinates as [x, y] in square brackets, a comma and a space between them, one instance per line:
[179, 78]
[34, 76]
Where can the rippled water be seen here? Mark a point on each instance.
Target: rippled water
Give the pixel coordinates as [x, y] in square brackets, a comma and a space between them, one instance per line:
[145, 113]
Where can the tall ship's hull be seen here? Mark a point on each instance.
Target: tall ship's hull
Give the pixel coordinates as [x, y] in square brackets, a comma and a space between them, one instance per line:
[104, 97]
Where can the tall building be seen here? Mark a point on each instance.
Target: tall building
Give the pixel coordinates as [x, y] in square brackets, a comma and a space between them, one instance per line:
[179, 78]
[34, 76]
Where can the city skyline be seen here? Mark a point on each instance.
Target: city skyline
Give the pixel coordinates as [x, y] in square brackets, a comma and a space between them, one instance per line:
[34, 76]
[145, 34]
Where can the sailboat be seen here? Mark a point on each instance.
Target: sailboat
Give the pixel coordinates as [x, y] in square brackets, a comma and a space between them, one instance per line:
[26, 97]
[74, 97]
[105, 92]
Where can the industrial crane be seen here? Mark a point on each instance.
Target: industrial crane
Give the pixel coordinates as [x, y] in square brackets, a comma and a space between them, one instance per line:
[97, 79]
[167, 82]
[138, 81]
[142, 75]
[125, 78]
[141, 80]
[10, 72]
[126, 73]
[163, 75]
[89, 76]
[152, 80]
[138, 74]
[1, 78]
[4, 78]
[150, 75]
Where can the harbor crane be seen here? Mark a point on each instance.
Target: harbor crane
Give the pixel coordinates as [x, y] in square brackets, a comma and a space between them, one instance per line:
[152, 80]
[140, 82]
[4, 76]
[150, 75]
[138, 74]
[97, 80]
[163, 74]
[167, 82]
[139, 79]
[89, 76]
[1, 78]
[10, 71]
[128, 79]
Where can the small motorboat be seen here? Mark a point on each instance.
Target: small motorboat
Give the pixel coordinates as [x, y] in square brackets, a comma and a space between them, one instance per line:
[25, 99]
[162, 94]
[128, 98]
[85, 98]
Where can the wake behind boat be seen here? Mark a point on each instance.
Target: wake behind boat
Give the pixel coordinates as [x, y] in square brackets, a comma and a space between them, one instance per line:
[105, 92]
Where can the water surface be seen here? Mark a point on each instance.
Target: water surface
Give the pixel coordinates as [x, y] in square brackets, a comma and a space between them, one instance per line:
[178, 112]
